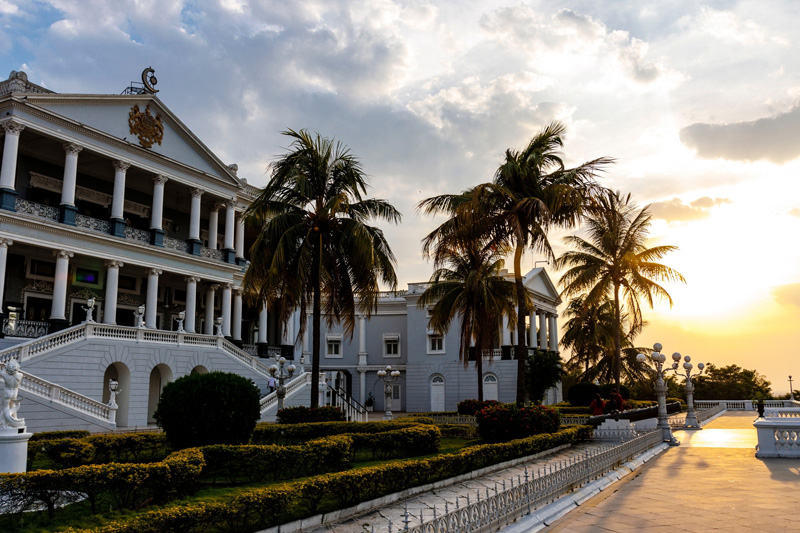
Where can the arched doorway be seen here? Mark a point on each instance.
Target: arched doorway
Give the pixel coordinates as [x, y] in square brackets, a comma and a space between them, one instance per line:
[490, 387]
[159, 377]
[199, 369]
[119, 373]
[437, 393]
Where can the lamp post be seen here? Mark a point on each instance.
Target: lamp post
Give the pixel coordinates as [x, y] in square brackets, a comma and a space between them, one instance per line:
[281, 374]
[181, 318]
[218, 323]
[791, 390]
[388, 376]
[89, 310]
[691, 419]
[656, 359]
[113, 389]
[140, 316]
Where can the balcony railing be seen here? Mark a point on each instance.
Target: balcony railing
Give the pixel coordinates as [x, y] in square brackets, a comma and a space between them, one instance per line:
[103, 226]
[29, 329]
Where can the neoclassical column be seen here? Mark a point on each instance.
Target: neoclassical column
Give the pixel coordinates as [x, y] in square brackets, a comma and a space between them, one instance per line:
[68, 209]
[4, 244]
[236, 315]
[195, 244]
[287, 332]
[8, 171]
[151, 305]
[112, 286]
[118, 201]
[230, 215]
[191, 303]
[240, 239]
[362, 340]
[57, 311]
[210, 290]
[226, 309]
[213, 225]
[307, 338]
[553, 332]
[542, 330]
[157, 212]
[506, 334]
[263, 324]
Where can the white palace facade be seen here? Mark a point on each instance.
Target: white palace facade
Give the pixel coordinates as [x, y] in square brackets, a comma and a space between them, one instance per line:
[122, 252]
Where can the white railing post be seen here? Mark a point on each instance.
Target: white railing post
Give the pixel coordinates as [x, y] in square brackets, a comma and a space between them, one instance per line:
[112, 414]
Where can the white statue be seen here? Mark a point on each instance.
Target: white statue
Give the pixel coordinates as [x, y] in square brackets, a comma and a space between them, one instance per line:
[12, 378]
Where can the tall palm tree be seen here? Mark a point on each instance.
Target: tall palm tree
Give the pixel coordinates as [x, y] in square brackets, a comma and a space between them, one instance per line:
[468, 283]
[615, 264]
[314, 244]
[531, 192]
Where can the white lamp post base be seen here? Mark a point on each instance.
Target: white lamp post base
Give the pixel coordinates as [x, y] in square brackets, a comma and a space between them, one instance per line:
[14, 449]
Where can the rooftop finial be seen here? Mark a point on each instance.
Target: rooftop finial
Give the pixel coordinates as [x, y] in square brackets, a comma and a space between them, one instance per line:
[149, 80]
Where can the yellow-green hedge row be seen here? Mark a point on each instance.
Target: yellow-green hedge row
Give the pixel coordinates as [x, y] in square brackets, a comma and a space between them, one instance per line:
[124, 485]
[259, 462]
[403, 442]
[265, 433]
[263, 508]
[67, 451]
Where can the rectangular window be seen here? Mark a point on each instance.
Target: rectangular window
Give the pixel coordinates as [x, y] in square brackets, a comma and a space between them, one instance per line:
[391, 345]
[38, 269]
[334, 346]
[129, 284]
[435, 344]
[396, 396]
[87, 277]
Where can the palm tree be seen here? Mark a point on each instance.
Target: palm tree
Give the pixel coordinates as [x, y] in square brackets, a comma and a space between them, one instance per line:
[531, 192]
[314, 245]
[614, 264]
[468, 283]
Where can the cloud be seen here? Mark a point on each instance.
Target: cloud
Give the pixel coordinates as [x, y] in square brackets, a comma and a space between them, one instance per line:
[675, 210]
[787, 294]
[795, 212]
[772, 138]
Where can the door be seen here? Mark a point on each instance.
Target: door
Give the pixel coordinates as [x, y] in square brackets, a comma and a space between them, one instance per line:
[490, 387]
[437, 393]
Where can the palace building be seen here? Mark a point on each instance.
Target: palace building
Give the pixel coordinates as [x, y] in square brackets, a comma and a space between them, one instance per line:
[122, 252]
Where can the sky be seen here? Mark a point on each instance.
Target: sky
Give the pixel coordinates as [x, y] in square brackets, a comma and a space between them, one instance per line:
[696, 100]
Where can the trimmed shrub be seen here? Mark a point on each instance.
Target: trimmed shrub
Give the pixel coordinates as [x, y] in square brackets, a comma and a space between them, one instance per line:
[608, 388]
[404, 442]
[569, 410]
[255, 463]
[470, 407]
[68, 453]
[505, 422]
[298, 433]
[129, 447]
[582, 394]
[213, 408]
[463, 431]
[306, 415]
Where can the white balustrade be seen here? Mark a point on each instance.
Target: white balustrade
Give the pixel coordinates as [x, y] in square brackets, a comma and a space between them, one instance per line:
[271, 400]
[778, 437]
[782, 412]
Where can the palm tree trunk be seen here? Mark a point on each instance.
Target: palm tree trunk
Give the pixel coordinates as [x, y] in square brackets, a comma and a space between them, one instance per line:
[316, 339]
[522, 311]
[617, 338]
[479, 368]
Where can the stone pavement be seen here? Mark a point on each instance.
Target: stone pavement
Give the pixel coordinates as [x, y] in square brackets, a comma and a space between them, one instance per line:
[711, 482]
[393, 513]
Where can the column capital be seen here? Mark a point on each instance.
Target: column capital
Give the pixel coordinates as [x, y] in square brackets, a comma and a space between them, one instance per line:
[63, 254]
[541, 312]
[12, 127]
[114, 263]
[227, 286]
[197, 192]
[216, 206]
[238, 290]
[160, 179]
[5, 242]
[552, 315]
[213, 287]
[154, 272]
[121, 166]
[192, 279]
[72, 148]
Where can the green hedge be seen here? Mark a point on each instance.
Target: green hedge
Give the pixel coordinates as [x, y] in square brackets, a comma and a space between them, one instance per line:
[308, 415]
[255, 463]
[66, 434]
[463, 431]
[123, 485]
[503, 422]
[100, 449]
[403, 442]
[266, 433]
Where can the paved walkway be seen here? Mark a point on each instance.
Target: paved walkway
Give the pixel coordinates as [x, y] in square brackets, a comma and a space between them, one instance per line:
[393, 513]
[711, 482]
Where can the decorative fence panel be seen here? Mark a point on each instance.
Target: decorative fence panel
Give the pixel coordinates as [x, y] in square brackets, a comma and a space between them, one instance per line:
[494, 508]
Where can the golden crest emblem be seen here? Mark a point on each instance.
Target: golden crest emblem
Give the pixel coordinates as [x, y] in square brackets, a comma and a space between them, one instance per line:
[148, 128]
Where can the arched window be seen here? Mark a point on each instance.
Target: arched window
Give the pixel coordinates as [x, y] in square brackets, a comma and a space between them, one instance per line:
[159, 377]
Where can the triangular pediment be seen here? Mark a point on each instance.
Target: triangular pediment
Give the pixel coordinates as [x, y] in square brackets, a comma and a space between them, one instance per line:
[112, 114]
[539, 283]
